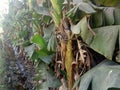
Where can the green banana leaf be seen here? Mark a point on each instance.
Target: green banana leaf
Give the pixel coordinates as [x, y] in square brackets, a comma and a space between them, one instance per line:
[84, 6]
[57, 11]
[105, 76]
[43, 53]
[105, 40]
[39, 40]
[105, 23]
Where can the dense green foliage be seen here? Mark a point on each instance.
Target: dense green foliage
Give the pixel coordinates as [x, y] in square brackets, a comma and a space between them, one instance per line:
[48, 28]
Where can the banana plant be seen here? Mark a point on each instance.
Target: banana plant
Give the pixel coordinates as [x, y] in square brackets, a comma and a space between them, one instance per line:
[66, 30]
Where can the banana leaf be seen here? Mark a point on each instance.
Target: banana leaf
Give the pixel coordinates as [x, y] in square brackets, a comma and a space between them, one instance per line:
[105, 76]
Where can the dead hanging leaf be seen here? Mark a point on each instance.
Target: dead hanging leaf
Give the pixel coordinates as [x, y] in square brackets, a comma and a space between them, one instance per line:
[68, 64]
[81, 51]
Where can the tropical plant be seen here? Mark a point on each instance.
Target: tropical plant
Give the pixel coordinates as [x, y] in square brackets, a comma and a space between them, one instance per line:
[61, 35]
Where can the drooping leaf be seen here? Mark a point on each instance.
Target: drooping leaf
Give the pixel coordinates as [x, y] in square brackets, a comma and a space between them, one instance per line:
[76, 28]
[80, 26]
[95, 6]
[108, 72]
[105, 40]
[39, 40]
[85, 7]
[47, 76]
